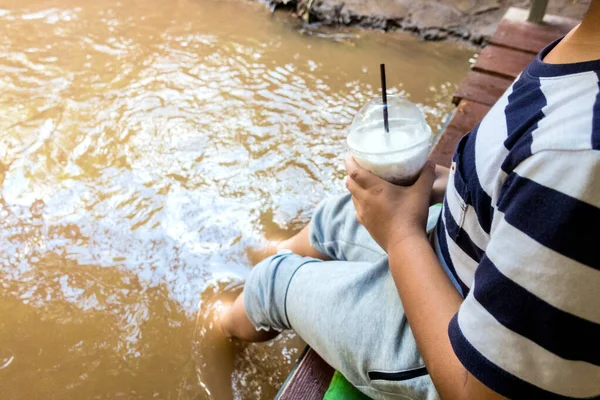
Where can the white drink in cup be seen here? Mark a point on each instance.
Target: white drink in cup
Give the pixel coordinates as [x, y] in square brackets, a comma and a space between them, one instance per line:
[398, 156]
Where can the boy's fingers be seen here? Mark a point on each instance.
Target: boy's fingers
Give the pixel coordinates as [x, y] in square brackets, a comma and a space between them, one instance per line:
[358, 174]
[354, 188]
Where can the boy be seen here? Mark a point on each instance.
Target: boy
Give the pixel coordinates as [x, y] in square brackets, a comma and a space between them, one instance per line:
[502, 299]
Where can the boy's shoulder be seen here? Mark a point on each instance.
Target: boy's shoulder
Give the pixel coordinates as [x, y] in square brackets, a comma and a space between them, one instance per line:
[571, 116]
[555, 115]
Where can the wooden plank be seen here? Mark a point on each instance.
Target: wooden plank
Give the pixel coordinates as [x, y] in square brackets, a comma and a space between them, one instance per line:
[309, 380]
[501, 61]
[527, 36]
[481, 88]
[465, 117]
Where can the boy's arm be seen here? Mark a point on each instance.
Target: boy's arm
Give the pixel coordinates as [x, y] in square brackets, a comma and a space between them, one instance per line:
[539, 273]
[430, 301]
[429, 298]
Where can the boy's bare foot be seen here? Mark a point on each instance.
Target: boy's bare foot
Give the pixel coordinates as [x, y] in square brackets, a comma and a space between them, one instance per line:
[265, 249]
[213, 352]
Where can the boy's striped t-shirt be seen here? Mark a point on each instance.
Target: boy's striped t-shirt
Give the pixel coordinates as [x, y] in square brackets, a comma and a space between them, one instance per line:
[520, 236]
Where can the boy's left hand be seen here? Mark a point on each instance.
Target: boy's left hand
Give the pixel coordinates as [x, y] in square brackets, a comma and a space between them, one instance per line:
[389, 212]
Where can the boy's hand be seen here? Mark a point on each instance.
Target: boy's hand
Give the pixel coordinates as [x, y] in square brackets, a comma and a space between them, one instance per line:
[390, 213]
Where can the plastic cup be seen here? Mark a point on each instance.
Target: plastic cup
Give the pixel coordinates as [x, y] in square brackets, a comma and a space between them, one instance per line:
[398, 156]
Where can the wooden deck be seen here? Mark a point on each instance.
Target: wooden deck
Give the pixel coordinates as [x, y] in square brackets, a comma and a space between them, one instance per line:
[513, 46]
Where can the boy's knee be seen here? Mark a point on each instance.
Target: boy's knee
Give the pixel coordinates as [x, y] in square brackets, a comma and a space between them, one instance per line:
[266, 290]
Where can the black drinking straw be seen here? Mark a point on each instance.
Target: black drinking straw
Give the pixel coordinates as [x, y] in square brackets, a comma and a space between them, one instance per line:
[386, 122]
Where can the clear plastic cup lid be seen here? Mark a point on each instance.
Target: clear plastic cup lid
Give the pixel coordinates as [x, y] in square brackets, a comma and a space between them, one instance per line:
[407, 127]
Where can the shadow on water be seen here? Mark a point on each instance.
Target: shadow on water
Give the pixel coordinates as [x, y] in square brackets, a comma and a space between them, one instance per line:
[145, 146]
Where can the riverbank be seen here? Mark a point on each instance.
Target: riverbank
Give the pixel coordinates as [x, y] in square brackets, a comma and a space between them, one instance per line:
[471, 20]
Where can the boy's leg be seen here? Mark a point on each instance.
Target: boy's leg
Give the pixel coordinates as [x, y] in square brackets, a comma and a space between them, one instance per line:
[348, 312]
[333, 233]
[235, 323]
[300, 244]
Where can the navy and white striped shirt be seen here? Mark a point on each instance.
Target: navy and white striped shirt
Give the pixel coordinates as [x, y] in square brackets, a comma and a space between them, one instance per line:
[520, 236]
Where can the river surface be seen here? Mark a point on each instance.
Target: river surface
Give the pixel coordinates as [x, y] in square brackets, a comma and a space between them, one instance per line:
[145, 146]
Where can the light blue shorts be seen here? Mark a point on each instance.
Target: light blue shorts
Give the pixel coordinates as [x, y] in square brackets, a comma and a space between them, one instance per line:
[347, 310]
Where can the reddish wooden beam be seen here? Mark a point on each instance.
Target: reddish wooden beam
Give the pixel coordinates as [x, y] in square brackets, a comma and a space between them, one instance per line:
[529, 37]
[502, 62]
[309, 380]
[481, 88]
[465, 117]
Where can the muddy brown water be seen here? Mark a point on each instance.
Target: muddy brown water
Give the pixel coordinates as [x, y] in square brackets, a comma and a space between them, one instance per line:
[144, 147]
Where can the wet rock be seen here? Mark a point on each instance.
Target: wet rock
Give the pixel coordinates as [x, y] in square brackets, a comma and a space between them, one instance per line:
[473, 20]
[435, 15]
[434, 34]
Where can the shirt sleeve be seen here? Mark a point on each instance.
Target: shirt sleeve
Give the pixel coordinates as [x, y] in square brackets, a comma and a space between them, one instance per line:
[530, 325]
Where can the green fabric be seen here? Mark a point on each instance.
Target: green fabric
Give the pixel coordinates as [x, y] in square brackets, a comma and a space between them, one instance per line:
[341, 389]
